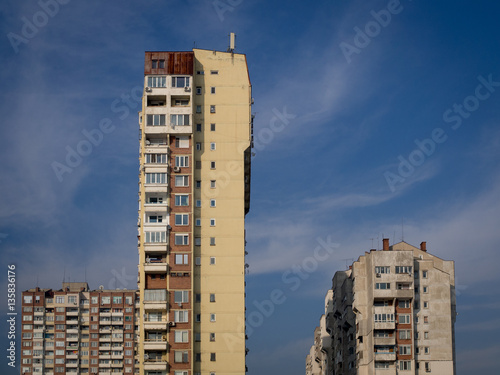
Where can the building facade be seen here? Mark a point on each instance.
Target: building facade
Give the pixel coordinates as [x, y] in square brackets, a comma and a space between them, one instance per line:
[75, 330]
[194, 190]
[392, 312]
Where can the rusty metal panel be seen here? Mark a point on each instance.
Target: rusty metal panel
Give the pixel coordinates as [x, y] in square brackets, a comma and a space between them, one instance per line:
[175, 63]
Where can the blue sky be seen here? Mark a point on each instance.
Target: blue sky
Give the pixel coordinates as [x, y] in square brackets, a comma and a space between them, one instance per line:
[368, 113]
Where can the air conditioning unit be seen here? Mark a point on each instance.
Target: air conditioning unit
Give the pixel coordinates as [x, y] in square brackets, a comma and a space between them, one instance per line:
[171, 324]
[177, 169]
[187, 89]
[379, 275]
[148, 89]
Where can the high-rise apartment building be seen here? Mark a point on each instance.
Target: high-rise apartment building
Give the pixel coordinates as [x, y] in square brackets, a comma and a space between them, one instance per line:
[393, 312]
[194, 190]
[75, 330]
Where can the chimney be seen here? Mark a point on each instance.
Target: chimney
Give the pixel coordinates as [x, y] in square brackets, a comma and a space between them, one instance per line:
[423, 246]
[385, 243]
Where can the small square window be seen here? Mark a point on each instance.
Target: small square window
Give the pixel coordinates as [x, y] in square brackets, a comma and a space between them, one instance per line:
[198, 203]
[212, 165]
[212, 127]
[212, 90]
[212, 297]
[212, 222]
[198, 127]
[426, 304]
[197, 261]
[426, 289]
[198, 146]
[212, 317]
[197, 222]
[200, 72]
[197, 241]
[212, 146]
[212, 109]
[424, 274]
[212, 203]
[197, 318]
[212, 241]
[212, 260]
[212, 184]
[198, 184]
[198, 90]
[427, 350]
[197, 337]
[198, 109]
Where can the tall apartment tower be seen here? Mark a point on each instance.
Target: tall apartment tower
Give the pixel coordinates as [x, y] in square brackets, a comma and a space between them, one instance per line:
[393, 312]
[75, 330]
[194, 193]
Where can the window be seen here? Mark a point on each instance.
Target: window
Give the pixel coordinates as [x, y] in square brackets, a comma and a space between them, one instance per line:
[181, 181]
[181, 259]
[182, 142]
[181, 316]
[404, 319]
[383, 286]
[157, 81]
[157, 64]
[182, 200]
[214, 72]
[212, 297]
[155, 237]
[212, 165]
[424, 274]
[182, 161]
[382, 365]
[71, 299]
[212, 203]
[179, 120]
[212, 109]
[403, 269]
[427, 350]
[405, 349]
[198, 109]
[200, 72]
[181, 296]
[197, 357]
[155, 295]
[181, 336]
[156, 178]
[426, 289]
[197, 261]
[426, 304]
[180, 356]
[198, 90]
[156, 158]
[212, 317]
[405, 365]
[212, 222]
[404, 286]
[212, 241]
[197, 337]
[182, 239]
[382, 269]
[384, 318]
[27, 299]
[427, 367]
[212, 260]
[198, 203]
[198, 146]
[426, 319]
[59, 299]
[405, 334]
[155, 120]
[180, 81]
[212, 90]
[197, 241]
[154, 218]
[154, 200]
[117, 299]
[212, 127]
[181, 219]
[197, 222]
[212, 146]
[198, 127]
[197, 184]
[404, 304]
[426, 335]
[197, 297]
[212, 357]
[197, 318]
[212, 336]
[198, 164]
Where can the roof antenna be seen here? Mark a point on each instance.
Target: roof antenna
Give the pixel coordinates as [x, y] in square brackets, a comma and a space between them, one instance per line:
[232, 43]
[403, 229]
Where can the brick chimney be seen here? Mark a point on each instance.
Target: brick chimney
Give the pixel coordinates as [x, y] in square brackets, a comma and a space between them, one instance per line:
[385, 243]
[423, 246]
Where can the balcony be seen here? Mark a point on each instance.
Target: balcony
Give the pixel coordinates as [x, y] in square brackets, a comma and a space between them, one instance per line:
[115, 365]
[117, 356]
[72, 364]
[384, 341]
[385, 356]
[72, 313]
[384, 325]
[72, 330]
[150, 325]
[156, 207]
[156, 247]
[105, 347]
[155, 365]
[106, 314]
[155, 266]
[155, 344]
[39, 313]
